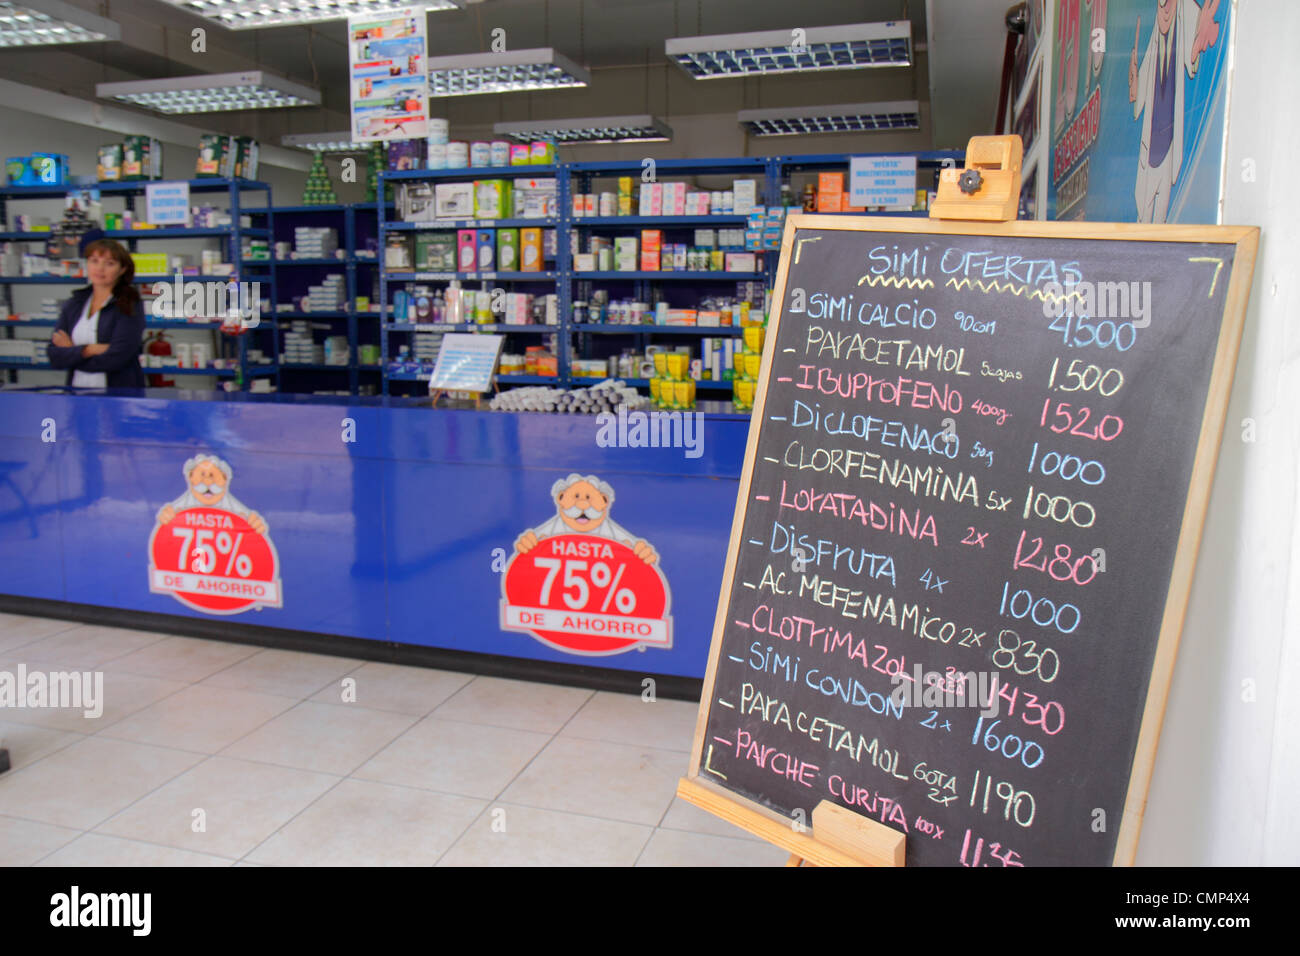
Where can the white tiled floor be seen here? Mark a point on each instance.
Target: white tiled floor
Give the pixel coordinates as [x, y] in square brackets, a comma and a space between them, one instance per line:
[214, 754]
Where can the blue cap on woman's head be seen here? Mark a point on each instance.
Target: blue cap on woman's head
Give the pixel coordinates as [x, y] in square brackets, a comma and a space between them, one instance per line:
[87, 238]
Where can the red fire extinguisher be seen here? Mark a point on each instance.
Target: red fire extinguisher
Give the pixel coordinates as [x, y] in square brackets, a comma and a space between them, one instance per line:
[157, 344]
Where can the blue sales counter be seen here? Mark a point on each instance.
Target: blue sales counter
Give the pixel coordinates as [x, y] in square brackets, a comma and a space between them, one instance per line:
[556, 547]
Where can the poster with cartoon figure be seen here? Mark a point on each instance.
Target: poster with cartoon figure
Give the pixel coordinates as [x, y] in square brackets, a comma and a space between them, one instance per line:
[581, 583]
[1138, 108]
[209, 550]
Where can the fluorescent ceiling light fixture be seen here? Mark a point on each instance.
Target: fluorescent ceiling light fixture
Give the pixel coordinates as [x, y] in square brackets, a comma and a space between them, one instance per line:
[42, 22]
[211, 93]
[251, 14]
[506, 72]
[340, 142]
[597, 129]
[854, 46]
[845, 118]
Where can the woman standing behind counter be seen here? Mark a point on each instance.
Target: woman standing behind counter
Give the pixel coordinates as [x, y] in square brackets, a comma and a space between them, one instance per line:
[100, 331]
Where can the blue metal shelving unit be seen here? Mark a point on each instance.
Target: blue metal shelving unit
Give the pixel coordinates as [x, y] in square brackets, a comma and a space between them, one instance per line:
[557, 277]
[347, 218]
[773, 171]
[233, 235]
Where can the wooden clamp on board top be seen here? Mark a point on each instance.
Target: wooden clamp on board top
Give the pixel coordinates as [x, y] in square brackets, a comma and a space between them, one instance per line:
[988, 189]
[839, 836]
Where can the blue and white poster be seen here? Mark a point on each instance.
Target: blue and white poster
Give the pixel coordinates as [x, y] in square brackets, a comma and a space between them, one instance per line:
[1138, 99]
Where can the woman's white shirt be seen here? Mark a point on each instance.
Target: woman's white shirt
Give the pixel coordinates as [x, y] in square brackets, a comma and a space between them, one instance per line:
[85, 332]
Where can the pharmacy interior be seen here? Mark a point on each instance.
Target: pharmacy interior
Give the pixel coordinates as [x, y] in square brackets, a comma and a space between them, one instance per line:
[419, 308]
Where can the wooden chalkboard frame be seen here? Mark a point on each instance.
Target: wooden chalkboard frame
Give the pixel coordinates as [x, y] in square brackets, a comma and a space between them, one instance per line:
[777, 829]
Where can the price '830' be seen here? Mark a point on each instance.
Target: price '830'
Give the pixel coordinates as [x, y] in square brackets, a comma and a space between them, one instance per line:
[1025, 657]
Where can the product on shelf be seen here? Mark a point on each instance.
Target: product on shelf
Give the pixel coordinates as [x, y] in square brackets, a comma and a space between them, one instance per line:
[605, 396]
[435, 252]
[451, 201]
[38, 169]
[747, 363]
[436, 144]
[318, 190]
[406, 154]
[542, 152]
[530, 250]
[493, 199]
[375, 161]
[108, 165]
[328, 296]
[255, 249]
[507, 250]
[830, 192]
[320, 242]
[141, 158]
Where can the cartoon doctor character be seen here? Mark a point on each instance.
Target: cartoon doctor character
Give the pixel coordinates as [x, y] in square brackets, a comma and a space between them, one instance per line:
[209, 487]
[1184, 29]
[582, 506]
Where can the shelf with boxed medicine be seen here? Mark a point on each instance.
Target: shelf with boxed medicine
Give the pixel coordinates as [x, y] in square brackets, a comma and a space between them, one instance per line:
[648, 254]
[520, 199]
[506, 253]
[602, 309]
[441, 153]
[311, 245]
[456, 305]
[652, 200]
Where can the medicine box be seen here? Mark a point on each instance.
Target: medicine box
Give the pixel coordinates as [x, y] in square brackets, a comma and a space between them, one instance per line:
[493, 199]
[487, 250]
[744, 196]
[530, 250]
[454, 200]
[466, 249]
[508, 250]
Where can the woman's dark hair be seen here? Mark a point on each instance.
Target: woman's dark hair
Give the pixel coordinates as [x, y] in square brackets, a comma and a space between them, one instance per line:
[125, 293]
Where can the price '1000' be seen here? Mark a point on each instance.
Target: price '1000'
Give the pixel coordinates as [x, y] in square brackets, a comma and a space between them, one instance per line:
[1059, 508]
[1067, 467]
[1042, 611]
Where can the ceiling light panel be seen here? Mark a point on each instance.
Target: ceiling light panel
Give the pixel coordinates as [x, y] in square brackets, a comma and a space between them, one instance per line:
[853, 46]
[844, 118]
[598, 129]
[506, 72]
[252, 14]
[339, 142]
[211, 93]
[44, 22]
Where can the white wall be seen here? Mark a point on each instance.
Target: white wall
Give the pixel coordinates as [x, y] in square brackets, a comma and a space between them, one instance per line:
[1228, 768]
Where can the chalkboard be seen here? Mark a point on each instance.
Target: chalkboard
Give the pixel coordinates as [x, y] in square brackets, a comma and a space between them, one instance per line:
[976, 478]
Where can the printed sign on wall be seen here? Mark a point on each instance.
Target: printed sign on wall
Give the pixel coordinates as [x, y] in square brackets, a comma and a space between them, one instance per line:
[386, 61]
[210, 551]
[882, 181]
[1137, 112]
[581, 583]
[167, 204]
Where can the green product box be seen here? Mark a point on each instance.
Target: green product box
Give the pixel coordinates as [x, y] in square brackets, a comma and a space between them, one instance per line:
[247, 151]
[214, 155]
[435, 251]
[141, 158]
[493, 199]
[508, 250]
